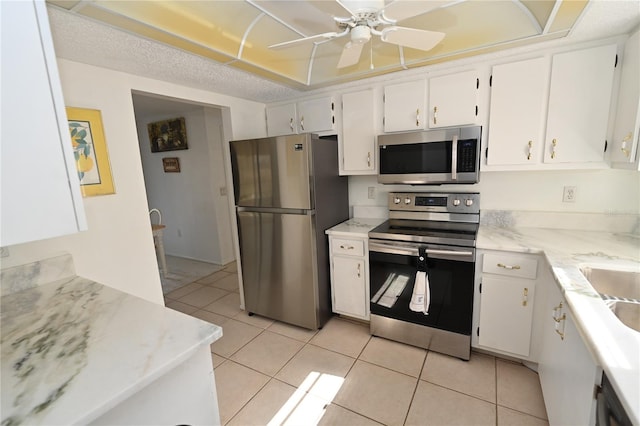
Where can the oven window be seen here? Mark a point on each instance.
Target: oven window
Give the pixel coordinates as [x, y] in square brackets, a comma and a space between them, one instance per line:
[432, 157]
[392, 278]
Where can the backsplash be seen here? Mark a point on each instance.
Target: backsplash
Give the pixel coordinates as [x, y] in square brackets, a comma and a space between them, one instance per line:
[23, 277]
[627, 223]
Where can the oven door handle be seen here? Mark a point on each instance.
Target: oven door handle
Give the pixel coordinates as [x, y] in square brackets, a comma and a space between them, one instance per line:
[413, 251]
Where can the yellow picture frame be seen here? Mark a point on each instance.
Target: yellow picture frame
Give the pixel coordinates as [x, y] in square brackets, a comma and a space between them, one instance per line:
[90, 151]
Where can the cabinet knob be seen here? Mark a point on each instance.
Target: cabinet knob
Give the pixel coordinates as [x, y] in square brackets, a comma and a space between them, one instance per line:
[510, 267]
[623, 147]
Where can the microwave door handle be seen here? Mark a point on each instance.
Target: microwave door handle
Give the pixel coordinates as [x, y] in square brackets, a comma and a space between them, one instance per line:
[454, 158]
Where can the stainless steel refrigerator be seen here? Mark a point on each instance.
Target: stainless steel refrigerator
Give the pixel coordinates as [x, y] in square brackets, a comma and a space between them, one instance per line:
[287, 193]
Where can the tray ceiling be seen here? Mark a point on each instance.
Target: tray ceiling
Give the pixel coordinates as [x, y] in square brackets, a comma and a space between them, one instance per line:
[239, 33]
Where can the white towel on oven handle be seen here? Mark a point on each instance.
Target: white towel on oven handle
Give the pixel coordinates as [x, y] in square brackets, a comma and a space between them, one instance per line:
[421, 297]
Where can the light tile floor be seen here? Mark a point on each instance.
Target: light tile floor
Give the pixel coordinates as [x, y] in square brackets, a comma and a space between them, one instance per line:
[268, 372]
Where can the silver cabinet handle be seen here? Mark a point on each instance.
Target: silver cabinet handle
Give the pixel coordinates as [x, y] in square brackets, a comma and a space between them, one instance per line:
[358, 270]
[530, 145]
[291, 123]
[435, 115]
[510, 267]
[369, 159]
[418, 117]
[554, 144]
[346, 247]
[302, 122]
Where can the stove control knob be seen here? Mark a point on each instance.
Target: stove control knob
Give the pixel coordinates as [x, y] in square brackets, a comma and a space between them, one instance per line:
[468, 202]
[407, 200]
[396, 200]
[456, 202]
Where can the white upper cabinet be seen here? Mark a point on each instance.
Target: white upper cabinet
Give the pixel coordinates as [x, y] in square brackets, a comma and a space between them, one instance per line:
[405, 106]
[40, 188]
[579, 101]
[453, 99]
[308, 116]
[282, 120]
[627, 125]
[358, 137]
[316, 115]
[517, 112]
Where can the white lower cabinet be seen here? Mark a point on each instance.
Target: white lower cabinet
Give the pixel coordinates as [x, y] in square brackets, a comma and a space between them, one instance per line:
[507, 297]
[349, 276]
[568, 372]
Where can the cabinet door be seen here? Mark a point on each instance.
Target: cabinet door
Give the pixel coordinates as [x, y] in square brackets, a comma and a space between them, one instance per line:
[453, 99]
[358, 139]
[506, 314]
[316, 115]
[404, 106]
[349, 292]
[627, 125]
[567, 371]
[579, 101]
[281, 120]
[516, 119]
[40, 188]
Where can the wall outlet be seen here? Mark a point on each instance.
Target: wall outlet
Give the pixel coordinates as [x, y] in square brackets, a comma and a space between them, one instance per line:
[569, 194]
[371, 193]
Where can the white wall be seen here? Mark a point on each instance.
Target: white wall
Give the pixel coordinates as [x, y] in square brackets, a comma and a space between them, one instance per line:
[192, 206]
[598, 191]
[117, 250]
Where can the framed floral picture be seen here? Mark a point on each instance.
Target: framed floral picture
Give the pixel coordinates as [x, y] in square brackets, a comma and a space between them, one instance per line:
[90, 151]
[168, 135]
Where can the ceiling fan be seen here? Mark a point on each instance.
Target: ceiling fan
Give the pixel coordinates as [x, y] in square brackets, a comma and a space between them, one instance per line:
[372, 17]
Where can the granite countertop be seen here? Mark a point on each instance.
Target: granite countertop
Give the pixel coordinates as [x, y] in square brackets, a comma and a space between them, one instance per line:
[73, 349]
[615, 347]
[355, 227]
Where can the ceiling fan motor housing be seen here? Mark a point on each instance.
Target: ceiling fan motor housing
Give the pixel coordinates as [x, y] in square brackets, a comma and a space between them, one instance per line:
[360, 34]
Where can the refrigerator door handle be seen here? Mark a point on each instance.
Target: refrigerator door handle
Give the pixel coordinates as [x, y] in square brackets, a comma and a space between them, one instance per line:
[275, 210]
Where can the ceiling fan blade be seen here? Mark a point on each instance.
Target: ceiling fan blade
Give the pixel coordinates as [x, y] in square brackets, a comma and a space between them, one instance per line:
[350, 54]
[326, 36]
[411, 37]
[399, 10]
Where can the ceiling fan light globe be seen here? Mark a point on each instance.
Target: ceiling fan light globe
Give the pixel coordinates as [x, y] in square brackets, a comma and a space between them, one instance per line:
[360, 34]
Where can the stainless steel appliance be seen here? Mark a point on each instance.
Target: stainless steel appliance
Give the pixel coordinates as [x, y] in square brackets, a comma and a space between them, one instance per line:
[449, 155]
[434, 233]
[609, 409]
[287, 193]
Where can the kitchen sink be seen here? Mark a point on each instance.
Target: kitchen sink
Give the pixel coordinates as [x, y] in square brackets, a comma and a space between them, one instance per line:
[620, 289]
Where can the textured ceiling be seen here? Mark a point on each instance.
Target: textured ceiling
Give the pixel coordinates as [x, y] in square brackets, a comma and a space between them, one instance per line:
[88, 40]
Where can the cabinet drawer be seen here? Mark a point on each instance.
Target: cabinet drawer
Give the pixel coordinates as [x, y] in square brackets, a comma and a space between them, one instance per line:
[513, 266]
[346, 246]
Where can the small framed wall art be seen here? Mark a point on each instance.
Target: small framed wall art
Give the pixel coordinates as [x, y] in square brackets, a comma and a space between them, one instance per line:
[171, 164]
[168, 135]
[90, 151]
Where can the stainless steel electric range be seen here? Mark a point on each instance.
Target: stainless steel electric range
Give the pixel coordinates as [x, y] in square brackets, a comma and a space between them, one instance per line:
[422, 264]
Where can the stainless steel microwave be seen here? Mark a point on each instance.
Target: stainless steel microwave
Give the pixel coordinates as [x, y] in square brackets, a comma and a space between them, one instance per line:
[431, 157]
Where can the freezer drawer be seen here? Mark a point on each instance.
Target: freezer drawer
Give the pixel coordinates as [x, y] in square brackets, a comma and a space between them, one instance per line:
[279, 266]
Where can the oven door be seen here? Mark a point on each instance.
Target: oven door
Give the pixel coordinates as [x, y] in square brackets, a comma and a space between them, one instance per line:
[393, 268]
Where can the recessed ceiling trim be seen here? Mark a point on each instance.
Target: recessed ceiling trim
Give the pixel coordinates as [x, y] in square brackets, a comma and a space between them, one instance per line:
[402, 64]
[311, 58]
[552, 16]
[246, 33]
[274, 17]
[79, 6]
[530, 15]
